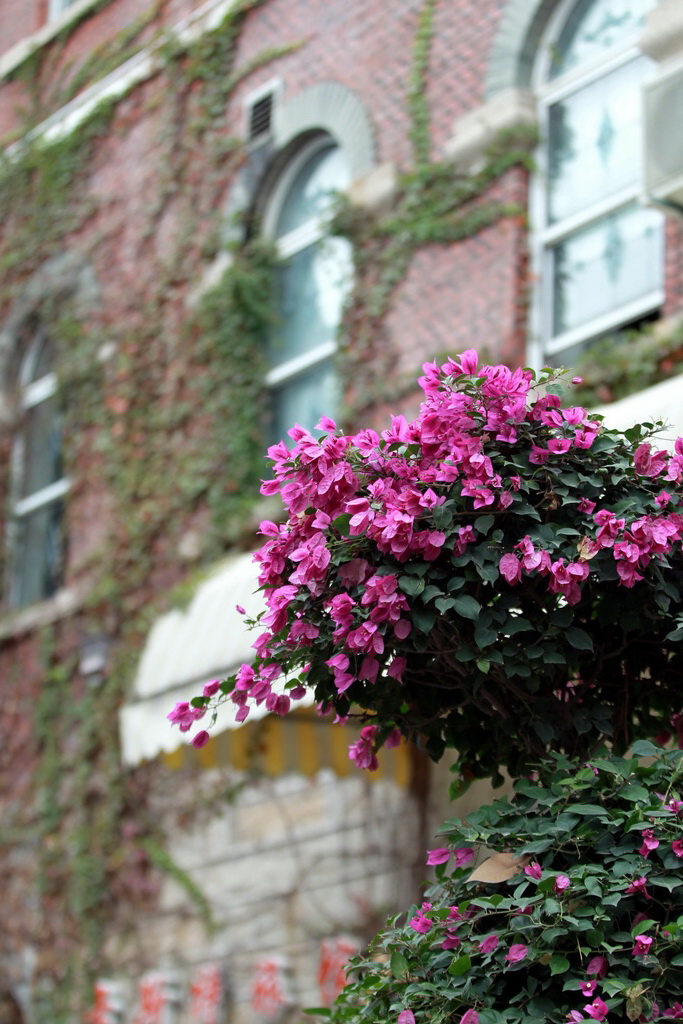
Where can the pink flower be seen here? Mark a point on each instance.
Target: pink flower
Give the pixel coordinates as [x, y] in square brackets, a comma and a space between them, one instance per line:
[642, 945]
[649, 843]
[597, 966]
[638, 886]
[463, 855]
[675, 806]
[488, 945]
[598, 1009]
[420, 923]
[510, 568]
[561, 883]
[677, 847]
[362, 751]
[574, 1016]
[516, 953]
[211, 688]
[588, 988]
[470, 1017]
[451, 941]
[406, 1017]
[201, 739]
[676, 1011]
[393, 740]
[438, 856]
[533, 870]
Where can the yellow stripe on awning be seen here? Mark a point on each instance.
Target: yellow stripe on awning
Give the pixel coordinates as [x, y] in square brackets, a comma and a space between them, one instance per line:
[302, 743]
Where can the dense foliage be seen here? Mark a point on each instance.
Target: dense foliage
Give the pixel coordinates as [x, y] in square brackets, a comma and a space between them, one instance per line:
[589, 926]
[500, 575]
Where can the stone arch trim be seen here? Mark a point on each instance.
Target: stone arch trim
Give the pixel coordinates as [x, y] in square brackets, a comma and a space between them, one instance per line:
[515, 45]
[65, 276]
[332, 108]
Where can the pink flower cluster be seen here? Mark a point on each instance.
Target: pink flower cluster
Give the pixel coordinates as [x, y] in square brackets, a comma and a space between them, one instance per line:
[633, 547]
[361, 505]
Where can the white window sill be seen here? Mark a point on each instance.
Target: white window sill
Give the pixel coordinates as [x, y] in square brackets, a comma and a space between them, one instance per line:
[18, 53]
[24, 620]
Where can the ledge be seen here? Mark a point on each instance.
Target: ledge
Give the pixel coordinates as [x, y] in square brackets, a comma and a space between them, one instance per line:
[474, 133]
[21, 51]
[64, 603]
[662, 38]
[376, 190]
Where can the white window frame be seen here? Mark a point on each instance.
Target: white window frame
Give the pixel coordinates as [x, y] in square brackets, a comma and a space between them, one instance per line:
[307, 234]
[544, 235]
[31, 393]
[58, 7]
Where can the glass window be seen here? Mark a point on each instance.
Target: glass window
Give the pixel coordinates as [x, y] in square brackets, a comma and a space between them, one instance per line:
[599, 252]
[312, 282]
[57, 7]
[38, 485]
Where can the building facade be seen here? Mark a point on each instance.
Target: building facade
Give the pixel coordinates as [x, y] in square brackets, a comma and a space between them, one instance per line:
[220, 217]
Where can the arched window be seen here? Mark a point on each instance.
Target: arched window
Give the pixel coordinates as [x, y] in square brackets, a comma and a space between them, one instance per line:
[599, 251]
[38, 484]
[313, 281]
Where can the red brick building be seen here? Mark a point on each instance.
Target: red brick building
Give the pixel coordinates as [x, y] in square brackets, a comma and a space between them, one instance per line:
[218, 217]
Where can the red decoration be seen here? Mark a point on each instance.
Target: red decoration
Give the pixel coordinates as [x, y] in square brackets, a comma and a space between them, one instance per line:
[334, 955]
[206, 995]
[269, 992]
[107, 1005]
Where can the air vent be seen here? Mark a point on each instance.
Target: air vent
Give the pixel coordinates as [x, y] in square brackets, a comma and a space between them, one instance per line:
[664, 139]
[260, 115]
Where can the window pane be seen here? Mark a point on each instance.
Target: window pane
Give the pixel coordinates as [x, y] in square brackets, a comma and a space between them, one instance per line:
[594, 28]
[311, 288]
[37, 555]
[41, 438]
[605, 266]
[594, 140]
[304, 399]
[309, 196]
[42, 356]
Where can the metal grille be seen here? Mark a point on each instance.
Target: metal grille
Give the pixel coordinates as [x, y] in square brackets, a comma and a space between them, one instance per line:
[260, 115]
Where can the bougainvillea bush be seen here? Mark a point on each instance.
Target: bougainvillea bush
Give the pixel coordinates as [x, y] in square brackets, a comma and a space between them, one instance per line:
[501, 576]
[589, 927]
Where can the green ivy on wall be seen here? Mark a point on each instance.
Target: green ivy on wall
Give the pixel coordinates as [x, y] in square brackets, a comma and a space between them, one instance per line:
[171, 449]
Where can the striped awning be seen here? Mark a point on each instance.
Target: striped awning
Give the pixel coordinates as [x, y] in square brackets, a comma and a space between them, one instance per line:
[301, 743]
[208, 639]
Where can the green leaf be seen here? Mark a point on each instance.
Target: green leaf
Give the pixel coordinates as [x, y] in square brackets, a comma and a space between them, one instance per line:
[635, 793]
[558, 964]
[483, 524]
[677, 961]
[423, 619]
[578, 638]
[444, 604]
[643, 748]
[460, 966]
[483, 637]
[411, 585]
[399, 965]
[467, 607]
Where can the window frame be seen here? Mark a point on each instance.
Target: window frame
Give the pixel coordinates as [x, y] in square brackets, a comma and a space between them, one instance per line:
[58, 7]
[30, 393]
[544, 344]
[295, 241]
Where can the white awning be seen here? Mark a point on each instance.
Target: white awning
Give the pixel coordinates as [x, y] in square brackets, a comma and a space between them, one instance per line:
[661, 402]
[185, 649]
